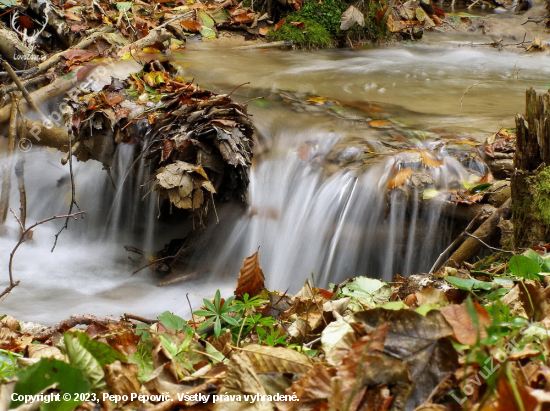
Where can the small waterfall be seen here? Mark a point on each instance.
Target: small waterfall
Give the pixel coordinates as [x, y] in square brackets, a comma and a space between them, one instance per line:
[335, 227]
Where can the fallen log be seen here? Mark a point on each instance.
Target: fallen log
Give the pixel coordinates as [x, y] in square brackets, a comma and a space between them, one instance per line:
[14, 51]
[472, 245]
[49, 92]
[53, 60]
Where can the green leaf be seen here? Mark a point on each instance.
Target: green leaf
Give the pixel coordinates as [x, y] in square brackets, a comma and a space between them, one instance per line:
[229, 320]
[524, 267]
[203, 313]
[424, 309]
[367, 291]
[208, 304]
[207, 21]
[46, 372]
[171, 321]
[227, 303]
[208, 32]
[217, 327]
[480, 188]
[533, 255]
[7, 3]
[142, 330]
[468, 284]
[395, 306]
[103, 353]
[206, 324]
[497, 294]
[83, 359]
[123, 5]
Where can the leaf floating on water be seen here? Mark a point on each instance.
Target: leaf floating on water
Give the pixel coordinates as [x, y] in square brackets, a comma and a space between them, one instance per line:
[251, 277]
[400, 178]
[265, 359]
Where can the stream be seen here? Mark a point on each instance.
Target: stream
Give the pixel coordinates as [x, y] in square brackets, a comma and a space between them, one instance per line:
[305, 223]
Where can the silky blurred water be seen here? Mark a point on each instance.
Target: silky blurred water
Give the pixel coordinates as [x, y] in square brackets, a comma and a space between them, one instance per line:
[302, 221]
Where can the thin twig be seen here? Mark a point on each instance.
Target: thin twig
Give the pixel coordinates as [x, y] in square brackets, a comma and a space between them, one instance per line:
[454, 243]
[73, 192]
[152, 262]
[488, 246]
[192, 315]
[139, 318]
[22, 240]
[174, 19]
[24, 91]
[468, 89]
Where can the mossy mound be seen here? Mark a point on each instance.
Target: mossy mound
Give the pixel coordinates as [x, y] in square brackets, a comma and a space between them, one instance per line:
[312, 36]
[321, 24]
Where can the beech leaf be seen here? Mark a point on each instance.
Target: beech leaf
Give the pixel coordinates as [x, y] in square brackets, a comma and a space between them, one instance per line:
[265, 359]
[420, 342]
[251, 277]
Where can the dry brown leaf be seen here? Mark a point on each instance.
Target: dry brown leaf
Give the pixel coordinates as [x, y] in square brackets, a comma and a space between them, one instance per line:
[507, 400]
[430, 295]
[279, 24]
[313, 390]
[266, 359]
[242, 380]
[122, 378]
[400, 178]
[251, 277]
[191, 25]
[44, 351]
[463, 327]
[69, 15]
[534, 300]
[263, 31]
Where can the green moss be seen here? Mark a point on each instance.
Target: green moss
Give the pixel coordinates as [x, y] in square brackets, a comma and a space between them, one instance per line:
[372, 30]
[541, 193]
[314, 35]
[328, 14]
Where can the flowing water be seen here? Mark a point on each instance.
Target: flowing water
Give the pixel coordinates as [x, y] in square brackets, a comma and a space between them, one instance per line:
[304, 221]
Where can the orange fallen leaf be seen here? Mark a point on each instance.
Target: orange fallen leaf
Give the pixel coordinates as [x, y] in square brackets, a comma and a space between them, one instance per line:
[301, 25]
[429, 159]
[279, 24]
[463, 327]
[400, 178]
[191, 25]
[378, 123]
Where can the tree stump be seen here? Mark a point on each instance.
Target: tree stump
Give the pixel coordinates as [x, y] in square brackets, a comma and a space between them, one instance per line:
[531, 176]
